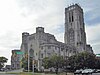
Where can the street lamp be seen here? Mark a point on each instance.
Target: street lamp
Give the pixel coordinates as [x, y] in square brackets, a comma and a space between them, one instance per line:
[28, 61]
[33, 64]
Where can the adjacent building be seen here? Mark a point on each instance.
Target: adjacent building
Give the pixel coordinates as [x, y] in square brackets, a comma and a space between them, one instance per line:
[7, 68]
[15, 59]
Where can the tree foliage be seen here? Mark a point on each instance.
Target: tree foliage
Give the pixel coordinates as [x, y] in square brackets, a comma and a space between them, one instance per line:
[53, 61]
[3, 60]
[82, 60]
[97, 63]
[24, 63]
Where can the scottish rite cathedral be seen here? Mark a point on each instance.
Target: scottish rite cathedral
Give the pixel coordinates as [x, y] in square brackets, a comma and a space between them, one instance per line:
[42, 44]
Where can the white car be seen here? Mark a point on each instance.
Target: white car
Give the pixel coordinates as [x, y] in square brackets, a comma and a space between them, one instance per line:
[98, 70]
[88, 71]
[78, 71]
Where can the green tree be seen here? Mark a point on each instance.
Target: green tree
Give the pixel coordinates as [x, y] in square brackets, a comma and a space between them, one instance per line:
[97, 63]
[24, 64]
[3, 60]
[46, 62]
[65, 64]
[82, 60]
[53, 61]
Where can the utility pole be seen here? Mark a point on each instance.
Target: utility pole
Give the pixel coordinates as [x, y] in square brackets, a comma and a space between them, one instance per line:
[33, 65]
[28, 61]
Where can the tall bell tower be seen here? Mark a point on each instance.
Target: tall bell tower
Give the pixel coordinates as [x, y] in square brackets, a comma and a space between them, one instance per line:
[74, 27]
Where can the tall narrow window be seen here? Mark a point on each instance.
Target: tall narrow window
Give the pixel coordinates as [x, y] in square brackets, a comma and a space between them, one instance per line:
[69, 17]
[41, 55]
[72, 17]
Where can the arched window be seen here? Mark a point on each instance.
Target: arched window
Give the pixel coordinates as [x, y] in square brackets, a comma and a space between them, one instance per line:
[71, 17]
[31, 52]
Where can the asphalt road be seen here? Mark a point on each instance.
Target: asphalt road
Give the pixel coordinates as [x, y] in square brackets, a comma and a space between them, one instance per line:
[7, 74]
[3, 73]
[90, 74]
[77, 74]
[96, 74]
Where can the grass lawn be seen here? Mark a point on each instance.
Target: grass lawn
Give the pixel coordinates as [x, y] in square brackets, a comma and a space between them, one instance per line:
[30, 73]
[25, 73]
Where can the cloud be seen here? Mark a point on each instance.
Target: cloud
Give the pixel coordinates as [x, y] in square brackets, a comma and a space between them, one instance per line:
[93, 36]
[48, 13]
[92, 18]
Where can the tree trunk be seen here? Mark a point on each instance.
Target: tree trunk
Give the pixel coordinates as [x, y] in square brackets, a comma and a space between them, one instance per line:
[66, 73]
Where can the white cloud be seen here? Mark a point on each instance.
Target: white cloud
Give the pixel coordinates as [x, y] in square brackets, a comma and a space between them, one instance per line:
[93, 37]
[93, 32]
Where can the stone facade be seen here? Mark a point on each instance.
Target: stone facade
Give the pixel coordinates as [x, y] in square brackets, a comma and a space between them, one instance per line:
[15, 59]
[89, 48]
[41, 45]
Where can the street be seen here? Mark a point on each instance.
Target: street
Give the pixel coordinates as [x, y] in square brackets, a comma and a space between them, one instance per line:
[3, 73]
[89, 74]
[7, 74]
[96, 74]
[53, 74]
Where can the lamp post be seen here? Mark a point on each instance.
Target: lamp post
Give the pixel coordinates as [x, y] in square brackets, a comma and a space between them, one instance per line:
[33, 65]
[28, 61]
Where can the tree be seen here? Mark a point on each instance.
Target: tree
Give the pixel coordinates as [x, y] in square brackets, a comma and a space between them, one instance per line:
[46, 63]
[97, 63]
[3, 60]
[65, 65]
[82, 60]
[24, 64]
[53, 61]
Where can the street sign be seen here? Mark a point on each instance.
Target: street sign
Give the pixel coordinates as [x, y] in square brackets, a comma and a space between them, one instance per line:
[19, 53]
[97, 54]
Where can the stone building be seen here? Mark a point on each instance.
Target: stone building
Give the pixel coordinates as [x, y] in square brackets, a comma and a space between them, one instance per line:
[15, 59]
[40, 44]
[75, 28]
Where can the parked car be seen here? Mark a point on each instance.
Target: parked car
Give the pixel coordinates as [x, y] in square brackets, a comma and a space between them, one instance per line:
[97, 70]
[2, 69]
[86, 71]
[78, 71]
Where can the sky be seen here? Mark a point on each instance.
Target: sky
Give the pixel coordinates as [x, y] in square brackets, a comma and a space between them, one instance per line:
[17, 16]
